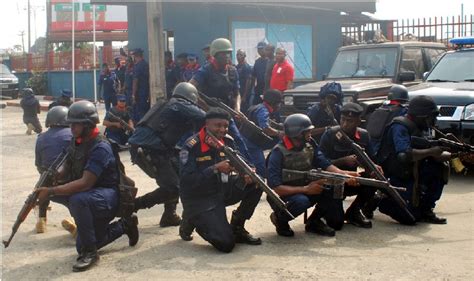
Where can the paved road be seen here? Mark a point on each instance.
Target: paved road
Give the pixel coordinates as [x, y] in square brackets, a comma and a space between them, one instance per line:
[388, 251]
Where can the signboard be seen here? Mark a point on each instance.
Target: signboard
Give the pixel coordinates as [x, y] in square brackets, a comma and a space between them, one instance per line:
[108, 17]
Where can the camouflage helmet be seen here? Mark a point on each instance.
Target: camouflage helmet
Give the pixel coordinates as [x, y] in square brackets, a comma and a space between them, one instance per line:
[186, 91]
[83, 112]
[220, 45]
[398, 92]
[57, 116]
[296, 124]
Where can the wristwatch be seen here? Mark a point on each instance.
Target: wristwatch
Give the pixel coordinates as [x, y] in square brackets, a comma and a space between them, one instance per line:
[50, 192]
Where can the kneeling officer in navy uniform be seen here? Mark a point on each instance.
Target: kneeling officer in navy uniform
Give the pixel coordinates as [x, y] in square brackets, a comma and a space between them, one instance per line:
[91, 192]
[208, 186]
[418, 169]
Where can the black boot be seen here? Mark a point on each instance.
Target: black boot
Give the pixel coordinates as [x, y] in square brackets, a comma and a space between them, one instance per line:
[429, 216]
[354, 216]
[130, 228]
[242, 235]
[370, 207]
[169, 217]
[282, 227]
[138, 203]
[317, 226]
[186, 230]
[87, 258]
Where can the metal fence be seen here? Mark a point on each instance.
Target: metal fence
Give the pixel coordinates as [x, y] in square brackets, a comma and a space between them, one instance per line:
[433, 29]
[62, 61]
[437, 29]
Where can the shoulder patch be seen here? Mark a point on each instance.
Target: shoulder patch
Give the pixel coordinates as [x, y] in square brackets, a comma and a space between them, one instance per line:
[183, 156]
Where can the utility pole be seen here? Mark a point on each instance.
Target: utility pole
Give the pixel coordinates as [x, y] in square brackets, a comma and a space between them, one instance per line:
[155, 50]
[22, 34]
[29, 27]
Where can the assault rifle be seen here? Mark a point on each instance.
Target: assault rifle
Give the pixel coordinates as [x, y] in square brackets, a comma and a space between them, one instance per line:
[32, 199]
[122, 122]
[334, 178]
[244, 169]
[370, 166]
[246, 127]
[450, 145]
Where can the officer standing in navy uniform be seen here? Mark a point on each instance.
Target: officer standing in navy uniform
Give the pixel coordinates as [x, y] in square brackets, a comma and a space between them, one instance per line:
[208, 186]
[245, 72]
[155, 138]
[418, 169]
[107, 83]
[114, 130]
[261, 115]
[219, 79]
[341, 154]
[91, 192]
[140, 85]
[321, 114]
[258, 75]
[298, 151]
[49, 146]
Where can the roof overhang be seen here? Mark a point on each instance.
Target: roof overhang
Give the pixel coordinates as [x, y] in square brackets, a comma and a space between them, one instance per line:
[349, 6]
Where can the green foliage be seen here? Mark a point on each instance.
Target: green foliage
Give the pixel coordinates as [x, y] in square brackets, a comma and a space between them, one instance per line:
[39, 83]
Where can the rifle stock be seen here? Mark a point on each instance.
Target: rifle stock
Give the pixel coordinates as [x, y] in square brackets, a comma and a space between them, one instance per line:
[33, 196]
[244, 169]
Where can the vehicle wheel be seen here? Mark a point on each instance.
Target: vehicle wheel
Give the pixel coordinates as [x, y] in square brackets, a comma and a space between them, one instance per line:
[15, 95]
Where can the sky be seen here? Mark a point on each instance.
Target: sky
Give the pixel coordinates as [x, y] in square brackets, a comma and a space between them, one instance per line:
[14, 16]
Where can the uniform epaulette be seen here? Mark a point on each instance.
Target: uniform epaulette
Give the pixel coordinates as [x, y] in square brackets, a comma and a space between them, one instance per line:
[192, 141]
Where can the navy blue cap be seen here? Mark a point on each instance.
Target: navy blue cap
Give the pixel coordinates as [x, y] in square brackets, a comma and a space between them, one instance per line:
[117, 59]
[217, 113]
[352, 109]
[261, 45]
[121, 98]
[66, 93]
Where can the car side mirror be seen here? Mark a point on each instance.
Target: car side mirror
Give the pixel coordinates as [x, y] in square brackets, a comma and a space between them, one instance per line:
[425, 75]
[325, 75]
[406, 76]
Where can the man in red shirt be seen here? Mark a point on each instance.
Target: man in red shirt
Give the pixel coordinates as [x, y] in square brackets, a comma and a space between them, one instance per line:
[283, 73]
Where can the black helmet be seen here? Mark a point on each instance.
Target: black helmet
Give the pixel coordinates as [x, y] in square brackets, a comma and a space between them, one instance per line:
[295, 124]
[27, 92]
[186, 91]
[57, 116]
[398, 92]
[422, 106]
[272, 96]
[83, 112]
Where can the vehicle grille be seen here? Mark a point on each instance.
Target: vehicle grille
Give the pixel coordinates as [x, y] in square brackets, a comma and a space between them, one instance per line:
[303, 102]
[447, 110]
